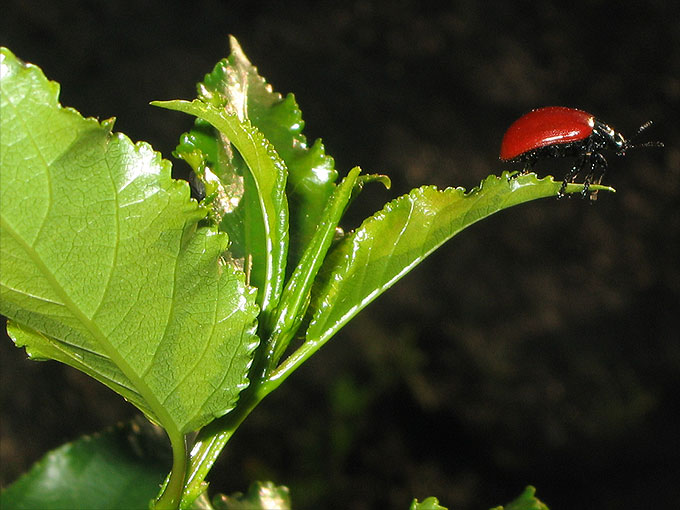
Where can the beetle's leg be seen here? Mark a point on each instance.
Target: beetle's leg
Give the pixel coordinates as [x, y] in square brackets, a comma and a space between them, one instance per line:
[601, 165]
[528, 167]
[598, 166]
[590, 159]
[573, 173]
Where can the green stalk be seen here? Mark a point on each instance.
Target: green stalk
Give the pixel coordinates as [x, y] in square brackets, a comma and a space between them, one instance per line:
[212, 439]
[172, 494]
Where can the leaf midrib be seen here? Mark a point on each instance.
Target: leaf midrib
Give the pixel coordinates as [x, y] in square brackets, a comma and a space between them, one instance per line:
[93, 329]
[138, 382]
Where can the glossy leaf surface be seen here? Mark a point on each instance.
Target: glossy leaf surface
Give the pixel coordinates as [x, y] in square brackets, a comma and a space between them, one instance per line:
[109, 471]
[389, 244]
[235, 85]
[426, 504]
[526, 501]
[104, 266]
[266, 215]
[260, 496]
[296, 295]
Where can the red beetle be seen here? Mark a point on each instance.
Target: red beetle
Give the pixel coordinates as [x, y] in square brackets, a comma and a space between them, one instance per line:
[557, 132]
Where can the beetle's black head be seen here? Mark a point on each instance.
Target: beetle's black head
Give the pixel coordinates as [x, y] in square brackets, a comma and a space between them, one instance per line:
[604, 136]
[625, 145]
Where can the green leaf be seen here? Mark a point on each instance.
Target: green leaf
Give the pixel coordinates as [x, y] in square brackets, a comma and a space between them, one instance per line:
[296, 295]
[268, 242]
[104, 267]
[260, 496]
[234, 84]
[115, 469]
[526, 501]
[427, 504]
[388, 245]
[219, 175]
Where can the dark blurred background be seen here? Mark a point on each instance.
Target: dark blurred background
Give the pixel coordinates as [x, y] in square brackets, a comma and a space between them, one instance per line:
[540, 346]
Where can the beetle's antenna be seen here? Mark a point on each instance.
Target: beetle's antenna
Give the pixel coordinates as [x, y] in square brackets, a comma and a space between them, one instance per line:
[646, 144]
[642, 128]
[630, 145]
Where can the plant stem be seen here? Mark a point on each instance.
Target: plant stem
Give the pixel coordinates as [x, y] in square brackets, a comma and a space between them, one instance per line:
[213, 437]
[209, 444]
[292, 362]
[170, 499]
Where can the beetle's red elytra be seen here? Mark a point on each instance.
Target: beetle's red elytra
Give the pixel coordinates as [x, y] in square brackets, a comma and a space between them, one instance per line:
[545, 126]
[557, 132]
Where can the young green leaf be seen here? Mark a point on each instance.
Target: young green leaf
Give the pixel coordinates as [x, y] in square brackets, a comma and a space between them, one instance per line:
[427, 504]
[268, 243]
[388, 245]
[260, 496]
[526, 501]
[104, 267]
[235, 85]
[296, 295]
